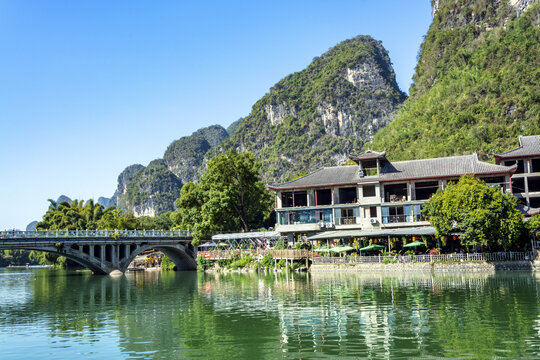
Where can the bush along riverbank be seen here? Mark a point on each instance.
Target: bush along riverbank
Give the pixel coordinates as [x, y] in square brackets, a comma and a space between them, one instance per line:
[249, 263]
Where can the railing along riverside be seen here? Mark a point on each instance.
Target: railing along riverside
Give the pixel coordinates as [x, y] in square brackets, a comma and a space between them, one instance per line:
[500, 256]
[48, 234]
[276, 254]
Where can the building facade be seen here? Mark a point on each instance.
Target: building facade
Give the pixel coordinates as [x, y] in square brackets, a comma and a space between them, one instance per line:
[378, 194]
[526, 179]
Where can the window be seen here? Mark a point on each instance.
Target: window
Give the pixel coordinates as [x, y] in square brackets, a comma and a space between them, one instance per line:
[535, 165]
[368, 190]
[534, 202]
[347, 216]
[518, 186]
[370, 212]
[323, 197]
[293, 199]
[424, 190]
[395, 192]
[393, 214]
[347, 195]
[534, 184]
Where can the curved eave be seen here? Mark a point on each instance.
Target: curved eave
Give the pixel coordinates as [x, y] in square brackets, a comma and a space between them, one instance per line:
[509, 156]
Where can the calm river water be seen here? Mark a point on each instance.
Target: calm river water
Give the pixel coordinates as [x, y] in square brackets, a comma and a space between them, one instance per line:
[47, 314]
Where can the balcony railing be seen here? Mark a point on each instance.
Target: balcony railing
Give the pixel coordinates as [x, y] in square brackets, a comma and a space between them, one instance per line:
[392, 219]
[348, 220]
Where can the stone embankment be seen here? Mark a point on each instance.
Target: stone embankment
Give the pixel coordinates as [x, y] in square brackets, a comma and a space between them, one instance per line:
[439, 267]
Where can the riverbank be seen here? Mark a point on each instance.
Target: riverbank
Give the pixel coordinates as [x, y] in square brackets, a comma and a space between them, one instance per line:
[439, 267]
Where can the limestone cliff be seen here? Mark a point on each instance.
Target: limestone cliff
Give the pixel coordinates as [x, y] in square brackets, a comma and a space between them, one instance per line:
[152, 190]
[185, 156]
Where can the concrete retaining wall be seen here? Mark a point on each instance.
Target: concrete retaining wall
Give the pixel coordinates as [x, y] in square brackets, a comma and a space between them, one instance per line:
[473, 266]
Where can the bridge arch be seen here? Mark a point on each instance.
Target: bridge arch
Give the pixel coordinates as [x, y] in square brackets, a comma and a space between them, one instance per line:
[181, 255]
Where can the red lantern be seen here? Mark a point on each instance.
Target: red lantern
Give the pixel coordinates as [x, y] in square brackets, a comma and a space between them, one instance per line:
[455, 237]
[375, 241]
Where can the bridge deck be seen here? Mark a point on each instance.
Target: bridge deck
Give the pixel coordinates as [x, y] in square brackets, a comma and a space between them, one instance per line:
[15, 236]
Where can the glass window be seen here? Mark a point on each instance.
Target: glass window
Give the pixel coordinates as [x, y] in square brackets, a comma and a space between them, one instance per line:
[368, 190]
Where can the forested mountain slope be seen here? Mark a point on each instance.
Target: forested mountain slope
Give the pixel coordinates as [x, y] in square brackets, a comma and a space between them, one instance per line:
[476, 86]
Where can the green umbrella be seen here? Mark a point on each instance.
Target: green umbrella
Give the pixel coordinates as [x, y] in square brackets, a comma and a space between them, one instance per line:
[340, 249]
[414, 244]
[372, 247]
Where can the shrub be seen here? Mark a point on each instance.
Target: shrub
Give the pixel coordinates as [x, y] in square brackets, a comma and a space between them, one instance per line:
[267, 261]
[167, 264]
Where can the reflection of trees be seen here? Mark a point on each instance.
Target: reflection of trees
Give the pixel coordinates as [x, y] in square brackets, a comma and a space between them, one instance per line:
[182, 315]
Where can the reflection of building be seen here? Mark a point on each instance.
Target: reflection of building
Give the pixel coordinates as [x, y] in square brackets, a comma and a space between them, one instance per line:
[378, 195]
[526, 180]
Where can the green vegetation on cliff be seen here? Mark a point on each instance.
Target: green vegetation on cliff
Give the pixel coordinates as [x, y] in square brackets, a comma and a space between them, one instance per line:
[153, 190]
[476, 84]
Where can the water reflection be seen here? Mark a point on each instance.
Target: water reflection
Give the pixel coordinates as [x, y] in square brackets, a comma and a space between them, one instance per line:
[188, 315]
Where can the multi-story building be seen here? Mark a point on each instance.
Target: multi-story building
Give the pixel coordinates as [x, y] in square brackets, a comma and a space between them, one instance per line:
[526, 179]
[375, 194]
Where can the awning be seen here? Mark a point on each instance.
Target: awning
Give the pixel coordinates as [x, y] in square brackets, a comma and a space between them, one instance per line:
[337, 234]
[248, 235]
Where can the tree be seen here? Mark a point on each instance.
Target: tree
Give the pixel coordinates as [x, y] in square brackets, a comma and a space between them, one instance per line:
[229, 197]
[482, 213]
[533, 225]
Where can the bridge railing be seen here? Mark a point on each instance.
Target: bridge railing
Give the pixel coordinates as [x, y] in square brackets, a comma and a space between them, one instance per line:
[54, 234]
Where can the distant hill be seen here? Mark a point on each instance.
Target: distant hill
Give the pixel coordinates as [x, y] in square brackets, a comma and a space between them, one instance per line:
[152, 190]
[476, 86]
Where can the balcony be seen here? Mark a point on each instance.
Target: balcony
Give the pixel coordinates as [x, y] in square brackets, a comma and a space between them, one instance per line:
[393, 219]
[348, 220]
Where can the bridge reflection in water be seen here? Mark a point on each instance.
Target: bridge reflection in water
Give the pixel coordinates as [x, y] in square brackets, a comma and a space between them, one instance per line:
[104, 251]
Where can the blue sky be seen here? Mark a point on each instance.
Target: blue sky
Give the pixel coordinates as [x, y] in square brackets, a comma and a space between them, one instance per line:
[90, 87]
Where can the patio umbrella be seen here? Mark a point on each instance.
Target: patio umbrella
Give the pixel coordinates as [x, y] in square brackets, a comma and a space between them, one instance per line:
[340, 249]
[372, 247]
[414, 244]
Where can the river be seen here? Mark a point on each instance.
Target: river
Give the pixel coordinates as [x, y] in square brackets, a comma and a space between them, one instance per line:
[47, 314]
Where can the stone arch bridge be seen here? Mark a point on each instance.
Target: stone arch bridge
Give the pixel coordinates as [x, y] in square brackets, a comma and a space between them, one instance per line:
[104, 251]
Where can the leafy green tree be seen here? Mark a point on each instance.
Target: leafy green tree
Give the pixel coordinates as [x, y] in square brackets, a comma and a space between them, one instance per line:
[533, 225]
[229, 197]
[483, 213]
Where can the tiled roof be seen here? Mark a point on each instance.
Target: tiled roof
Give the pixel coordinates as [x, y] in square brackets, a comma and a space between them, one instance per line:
[399, 170]
[528, 146]
[369, 154]
[438, 167]
[335, 175]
